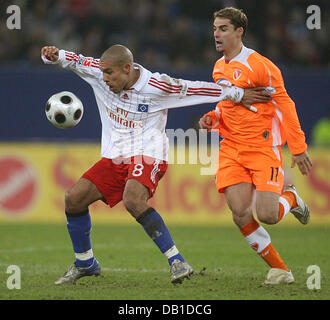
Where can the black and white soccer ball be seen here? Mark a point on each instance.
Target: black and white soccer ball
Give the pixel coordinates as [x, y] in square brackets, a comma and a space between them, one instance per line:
[64, 110]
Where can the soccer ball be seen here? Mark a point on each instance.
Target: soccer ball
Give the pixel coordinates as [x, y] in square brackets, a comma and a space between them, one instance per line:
[64, 110]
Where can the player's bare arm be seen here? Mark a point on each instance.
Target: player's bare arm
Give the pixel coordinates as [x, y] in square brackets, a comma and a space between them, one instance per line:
[303, 162]
[251, 96]
[255, 95]
[50, 52]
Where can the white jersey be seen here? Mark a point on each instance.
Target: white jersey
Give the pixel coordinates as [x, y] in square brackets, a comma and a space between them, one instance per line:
[134, 120]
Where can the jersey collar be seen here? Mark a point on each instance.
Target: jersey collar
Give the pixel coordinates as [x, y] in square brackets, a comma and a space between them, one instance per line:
[143, 79]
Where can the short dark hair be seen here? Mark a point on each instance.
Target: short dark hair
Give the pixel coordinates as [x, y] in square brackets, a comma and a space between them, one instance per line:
[119, 54]
[236, 16]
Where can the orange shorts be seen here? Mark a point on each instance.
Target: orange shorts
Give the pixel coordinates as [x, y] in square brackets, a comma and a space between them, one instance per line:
[262, 167]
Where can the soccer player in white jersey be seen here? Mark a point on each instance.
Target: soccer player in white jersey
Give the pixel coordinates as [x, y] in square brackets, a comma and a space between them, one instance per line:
[132, 103]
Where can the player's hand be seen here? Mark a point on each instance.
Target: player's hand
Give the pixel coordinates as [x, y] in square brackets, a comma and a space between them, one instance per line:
[255, 95]
[303, 161]
[50, 52]
[205, 123]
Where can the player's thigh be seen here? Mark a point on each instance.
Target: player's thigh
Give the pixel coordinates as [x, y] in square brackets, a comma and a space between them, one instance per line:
[239, 198]
[148, 171]
[135, 192]
[267, 206]
[81, 195]
[109, 176]
[143, 176]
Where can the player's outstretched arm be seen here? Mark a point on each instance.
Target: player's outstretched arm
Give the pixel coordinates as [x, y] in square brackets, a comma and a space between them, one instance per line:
[180, 93]
[85, 67]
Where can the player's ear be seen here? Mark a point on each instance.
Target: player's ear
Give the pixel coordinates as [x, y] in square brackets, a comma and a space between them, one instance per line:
[127, 68]
[240, 31]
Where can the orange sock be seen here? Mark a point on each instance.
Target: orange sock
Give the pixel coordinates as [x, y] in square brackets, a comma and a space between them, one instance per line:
[259, 240]
[287, 202]
[289, 196]
[271, 256]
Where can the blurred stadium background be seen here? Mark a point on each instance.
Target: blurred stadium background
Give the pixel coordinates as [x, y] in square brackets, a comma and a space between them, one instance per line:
[38, 162]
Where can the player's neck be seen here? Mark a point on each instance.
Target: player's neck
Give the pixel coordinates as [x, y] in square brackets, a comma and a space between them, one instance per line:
[230, 54]
[134, 76]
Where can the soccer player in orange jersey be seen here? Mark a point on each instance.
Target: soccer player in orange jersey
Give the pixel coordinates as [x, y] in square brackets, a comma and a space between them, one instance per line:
[250, 159]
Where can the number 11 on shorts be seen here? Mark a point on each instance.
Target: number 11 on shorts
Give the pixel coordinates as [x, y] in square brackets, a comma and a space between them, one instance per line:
[273, 171]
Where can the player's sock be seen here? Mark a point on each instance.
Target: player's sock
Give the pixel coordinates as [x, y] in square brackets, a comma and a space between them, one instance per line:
[155, 227]
[287, 202]
[79, 227]
[259, 239]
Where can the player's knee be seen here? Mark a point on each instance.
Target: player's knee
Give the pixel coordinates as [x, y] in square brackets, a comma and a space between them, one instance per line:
[267, 220]
[241, 219]
[131, 204]
[72, 202]
[237, 220]
[241, 214]
[237, 209]
[134, 205]
[267, 216]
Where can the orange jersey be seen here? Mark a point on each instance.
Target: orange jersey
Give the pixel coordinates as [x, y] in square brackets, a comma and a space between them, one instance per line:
[276, 121]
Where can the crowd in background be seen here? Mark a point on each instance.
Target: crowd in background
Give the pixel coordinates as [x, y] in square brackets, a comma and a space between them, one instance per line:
[164, 34]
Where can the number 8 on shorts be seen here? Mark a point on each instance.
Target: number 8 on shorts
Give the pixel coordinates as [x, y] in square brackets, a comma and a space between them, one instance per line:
[137, 171]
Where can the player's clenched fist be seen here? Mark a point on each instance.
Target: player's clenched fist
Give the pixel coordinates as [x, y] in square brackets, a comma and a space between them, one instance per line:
[50, 52]
[205, 123]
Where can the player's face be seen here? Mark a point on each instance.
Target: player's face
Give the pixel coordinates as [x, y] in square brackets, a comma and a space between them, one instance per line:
[226, 37]
[114, 76]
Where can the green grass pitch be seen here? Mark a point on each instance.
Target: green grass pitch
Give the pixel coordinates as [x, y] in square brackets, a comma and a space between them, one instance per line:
[134, 269]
